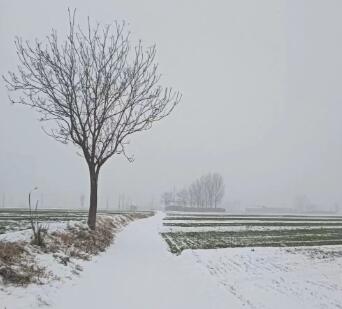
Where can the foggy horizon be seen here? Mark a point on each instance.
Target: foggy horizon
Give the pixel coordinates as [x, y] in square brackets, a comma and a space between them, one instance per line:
[261, 104]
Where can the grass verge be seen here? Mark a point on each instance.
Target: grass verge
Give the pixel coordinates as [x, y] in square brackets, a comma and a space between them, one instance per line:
[18, 260]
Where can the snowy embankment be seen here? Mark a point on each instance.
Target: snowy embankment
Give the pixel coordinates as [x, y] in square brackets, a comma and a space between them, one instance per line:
[30, 275]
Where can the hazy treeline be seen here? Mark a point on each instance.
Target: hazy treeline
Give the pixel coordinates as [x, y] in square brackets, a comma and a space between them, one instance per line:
[205, 192]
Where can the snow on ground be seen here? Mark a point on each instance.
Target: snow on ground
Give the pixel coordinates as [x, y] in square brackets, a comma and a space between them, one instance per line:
[56, 274]
[25, 235]
[276, 277]
[35, 296]
[138, 271]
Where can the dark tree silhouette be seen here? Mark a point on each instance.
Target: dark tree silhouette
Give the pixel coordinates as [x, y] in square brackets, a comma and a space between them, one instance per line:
[96, 87]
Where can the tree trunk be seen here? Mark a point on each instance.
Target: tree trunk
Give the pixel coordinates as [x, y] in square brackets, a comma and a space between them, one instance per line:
[93, 199]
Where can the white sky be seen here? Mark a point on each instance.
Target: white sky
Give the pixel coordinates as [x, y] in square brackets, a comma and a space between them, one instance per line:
[261, 83]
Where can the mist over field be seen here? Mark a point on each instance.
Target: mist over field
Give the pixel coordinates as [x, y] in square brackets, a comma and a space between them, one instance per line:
[170, 154]
[261, 104]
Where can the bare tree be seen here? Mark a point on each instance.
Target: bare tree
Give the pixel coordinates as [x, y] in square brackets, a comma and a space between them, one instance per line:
[192, 195]
[217, 186]
[207, 191]
[196, 193]
[168, 198]
[97, 88]
[183, 197]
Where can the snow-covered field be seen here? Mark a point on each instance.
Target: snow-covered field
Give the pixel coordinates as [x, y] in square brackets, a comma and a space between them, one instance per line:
[139, 271]
[208, 231]
[18, 219]
[271, 278]
[176, 229]
[264, 277]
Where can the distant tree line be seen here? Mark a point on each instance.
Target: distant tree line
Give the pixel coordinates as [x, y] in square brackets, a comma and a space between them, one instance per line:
[205, 192]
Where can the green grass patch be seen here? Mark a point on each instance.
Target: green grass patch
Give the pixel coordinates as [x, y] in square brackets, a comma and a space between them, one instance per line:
[179, 241]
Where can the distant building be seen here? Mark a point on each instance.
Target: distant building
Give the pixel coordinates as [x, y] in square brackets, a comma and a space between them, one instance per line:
[193, 209]
[310, 210]
[270, 210]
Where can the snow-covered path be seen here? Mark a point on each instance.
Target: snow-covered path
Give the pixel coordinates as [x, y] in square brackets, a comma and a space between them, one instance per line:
[139, 272]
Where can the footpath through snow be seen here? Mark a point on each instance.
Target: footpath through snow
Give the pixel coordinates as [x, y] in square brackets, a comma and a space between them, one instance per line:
[139, 272]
